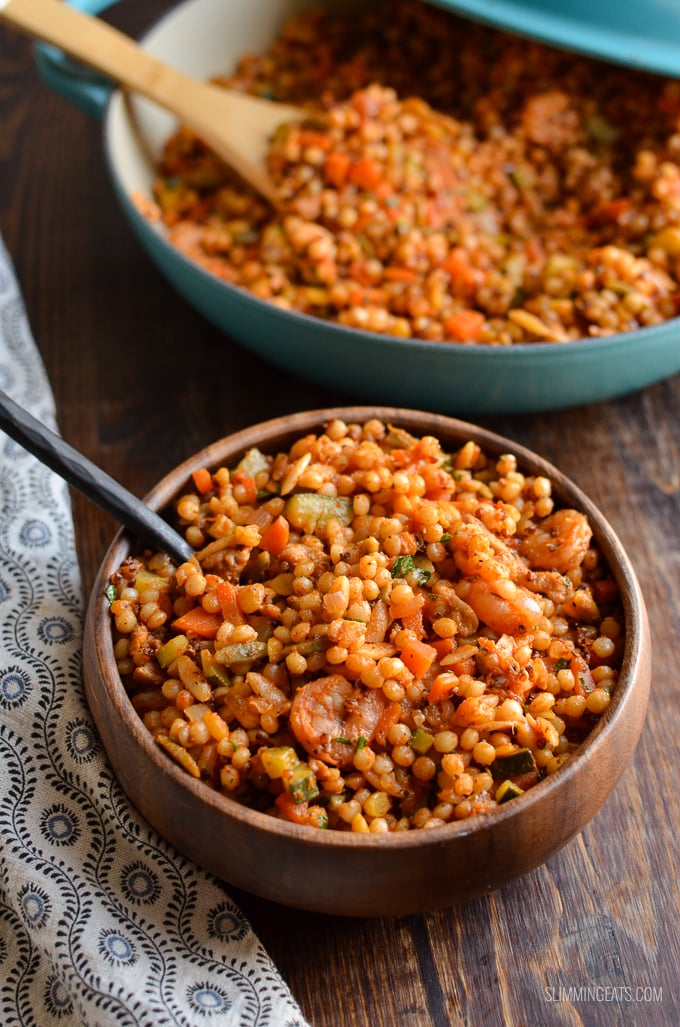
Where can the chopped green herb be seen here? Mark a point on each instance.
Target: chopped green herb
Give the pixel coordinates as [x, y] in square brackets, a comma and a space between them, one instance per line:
[562, 664]
[402, 566]
[342, 741]
[361, 743]
[446, 537]
[111, 593]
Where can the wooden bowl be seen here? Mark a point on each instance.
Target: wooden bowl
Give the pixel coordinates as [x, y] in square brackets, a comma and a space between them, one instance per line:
[365, 874]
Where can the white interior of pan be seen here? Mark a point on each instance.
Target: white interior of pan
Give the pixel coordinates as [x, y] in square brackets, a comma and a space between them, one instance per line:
[203, 38]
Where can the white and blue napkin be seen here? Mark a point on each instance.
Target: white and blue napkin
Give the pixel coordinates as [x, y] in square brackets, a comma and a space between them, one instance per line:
[101, 922]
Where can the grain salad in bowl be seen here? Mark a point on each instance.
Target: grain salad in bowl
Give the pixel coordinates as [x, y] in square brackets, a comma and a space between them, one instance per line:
[407, 662]
[377, 633]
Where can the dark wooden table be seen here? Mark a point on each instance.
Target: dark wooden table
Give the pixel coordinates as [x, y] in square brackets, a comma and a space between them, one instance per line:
[141, 381]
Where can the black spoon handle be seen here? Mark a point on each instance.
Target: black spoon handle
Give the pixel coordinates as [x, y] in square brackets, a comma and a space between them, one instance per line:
[89, 479]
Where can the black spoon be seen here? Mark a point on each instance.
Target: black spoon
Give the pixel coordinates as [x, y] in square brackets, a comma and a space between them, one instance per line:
[89, 479]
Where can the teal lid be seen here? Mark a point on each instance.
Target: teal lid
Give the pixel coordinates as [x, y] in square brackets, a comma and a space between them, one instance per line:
[644, 34]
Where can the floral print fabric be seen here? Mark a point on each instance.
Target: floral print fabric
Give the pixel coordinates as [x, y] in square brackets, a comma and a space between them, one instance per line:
[101, 921]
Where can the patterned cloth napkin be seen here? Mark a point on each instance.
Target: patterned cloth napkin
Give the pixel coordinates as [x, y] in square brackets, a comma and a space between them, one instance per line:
[101, 922]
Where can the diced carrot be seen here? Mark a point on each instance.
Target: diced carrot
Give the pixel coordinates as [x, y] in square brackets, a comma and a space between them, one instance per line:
[227, 596]
[308, 137]
[297, 812]
[337, 167]
[612, 209]
[275, 538]
[247, 482]
[199, 622]
[399, 274]
[443, 646]
[383, 189]
[465, 326]
[365, 173]
[464, 277]
[202, 480]
[390, 716]
[414, 622]
[418, 657]
[442, 687]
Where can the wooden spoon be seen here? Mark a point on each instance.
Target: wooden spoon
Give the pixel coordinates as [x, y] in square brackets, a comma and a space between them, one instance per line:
[236, 126]
[77, 470]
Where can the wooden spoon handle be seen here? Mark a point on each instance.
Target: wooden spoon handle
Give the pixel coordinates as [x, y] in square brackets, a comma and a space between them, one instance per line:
[236, 126]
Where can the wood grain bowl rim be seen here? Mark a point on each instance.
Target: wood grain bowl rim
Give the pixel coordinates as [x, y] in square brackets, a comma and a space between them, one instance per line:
[634, 678]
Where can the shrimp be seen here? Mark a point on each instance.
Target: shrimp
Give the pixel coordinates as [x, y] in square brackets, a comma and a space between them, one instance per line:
[329, 715]
[513, 612]
[477, 551]
[499, 656]
[559, 543]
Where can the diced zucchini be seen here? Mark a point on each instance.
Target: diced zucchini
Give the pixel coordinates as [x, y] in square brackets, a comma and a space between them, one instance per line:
[311, 512]
[283, 584]
[300, 783]
[241, 652]
[513, 764]
[173, 648]
[215, 673]
[263, 625]
[506, 791]
[276, 760]
[147, 579]
[421, 741]
[399, 438]
[253, 462]
[317, 644]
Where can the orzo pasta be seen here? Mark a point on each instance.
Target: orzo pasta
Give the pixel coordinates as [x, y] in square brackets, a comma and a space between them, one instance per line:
[375, 634]
[454, 183]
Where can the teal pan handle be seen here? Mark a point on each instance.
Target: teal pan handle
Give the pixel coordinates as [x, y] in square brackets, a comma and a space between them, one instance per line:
[80, 85]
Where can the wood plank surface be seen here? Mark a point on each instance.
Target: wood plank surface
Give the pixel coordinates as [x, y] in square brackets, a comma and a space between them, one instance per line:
[141, 381]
